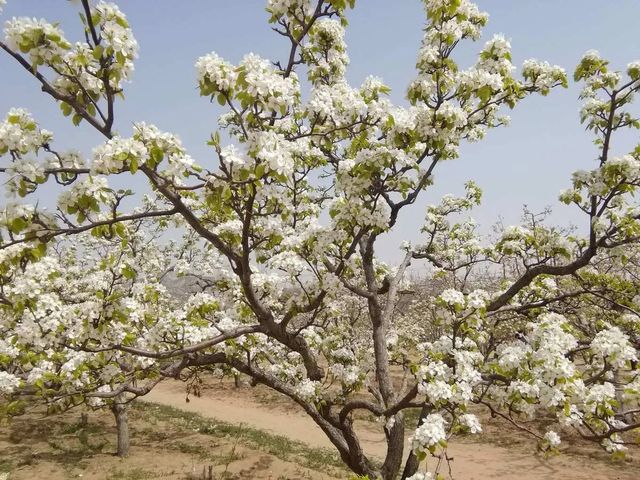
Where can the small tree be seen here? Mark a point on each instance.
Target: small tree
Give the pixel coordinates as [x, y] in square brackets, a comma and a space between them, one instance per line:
[304, 305]
[88, 292]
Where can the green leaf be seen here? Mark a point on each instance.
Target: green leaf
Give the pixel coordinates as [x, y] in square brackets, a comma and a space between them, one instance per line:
[98, 51]
[66, 109]
[156, 155]
[17, 225]
[484, 93]
[40, 250]
[128, 272]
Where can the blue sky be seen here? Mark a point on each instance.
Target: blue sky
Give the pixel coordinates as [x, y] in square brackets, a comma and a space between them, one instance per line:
[526, 163]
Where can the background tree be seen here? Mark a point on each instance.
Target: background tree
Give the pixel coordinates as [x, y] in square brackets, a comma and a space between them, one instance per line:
[87, 292]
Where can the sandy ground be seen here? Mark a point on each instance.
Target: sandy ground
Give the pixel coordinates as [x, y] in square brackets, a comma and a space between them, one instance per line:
[472, 460]
[35, 447]
[172, 445]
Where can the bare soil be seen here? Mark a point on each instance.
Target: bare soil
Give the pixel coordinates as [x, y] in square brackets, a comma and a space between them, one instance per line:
[163, 446]
[501, 453]
[253, 433]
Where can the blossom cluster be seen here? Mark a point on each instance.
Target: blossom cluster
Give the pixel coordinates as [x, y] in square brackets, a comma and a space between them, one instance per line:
[280, 7]
[326, 52]
[43, 41]
[20, 134]
[148, 146]
[431, 433]
[215, 74]
[253, 82]
[117, 38]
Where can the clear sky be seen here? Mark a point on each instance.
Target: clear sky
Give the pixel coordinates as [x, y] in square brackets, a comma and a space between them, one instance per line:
[526, 163]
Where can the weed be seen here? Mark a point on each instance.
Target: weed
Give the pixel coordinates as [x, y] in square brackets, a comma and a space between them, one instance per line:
[276, 445]
[6, 465]
[207, 474]
[232, 454]
[135, 474]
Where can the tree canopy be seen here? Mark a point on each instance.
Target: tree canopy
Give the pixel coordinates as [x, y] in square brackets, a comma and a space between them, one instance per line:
[275, 240]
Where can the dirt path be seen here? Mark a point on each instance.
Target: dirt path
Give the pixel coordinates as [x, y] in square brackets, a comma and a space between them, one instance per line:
[472, 461]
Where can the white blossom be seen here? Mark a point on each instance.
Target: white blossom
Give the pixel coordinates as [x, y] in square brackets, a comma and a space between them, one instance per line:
[8, 382]
[430, 433]
[471, 422]
[552, 438]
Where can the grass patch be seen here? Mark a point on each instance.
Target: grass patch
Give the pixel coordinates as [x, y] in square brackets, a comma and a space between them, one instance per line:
[6, 465]
[135, 474]
[82, 427]
[190, 449]
[276, 445]
[411, 416]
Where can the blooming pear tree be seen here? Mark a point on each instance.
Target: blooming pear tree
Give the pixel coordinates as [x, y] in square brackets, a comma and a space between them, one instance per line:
[283, 234]
[55, 312]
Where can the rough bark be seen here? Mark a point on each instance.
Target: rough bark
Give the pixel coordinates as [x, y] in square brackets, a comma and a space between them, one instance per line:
[122, 427]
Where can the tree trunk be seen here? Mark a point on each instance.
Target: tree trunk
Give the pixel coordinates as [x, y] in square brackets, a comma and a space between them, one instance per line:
[619, 389]
[122, 427]
[395, 448]
[412, 464]
[411, 467]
